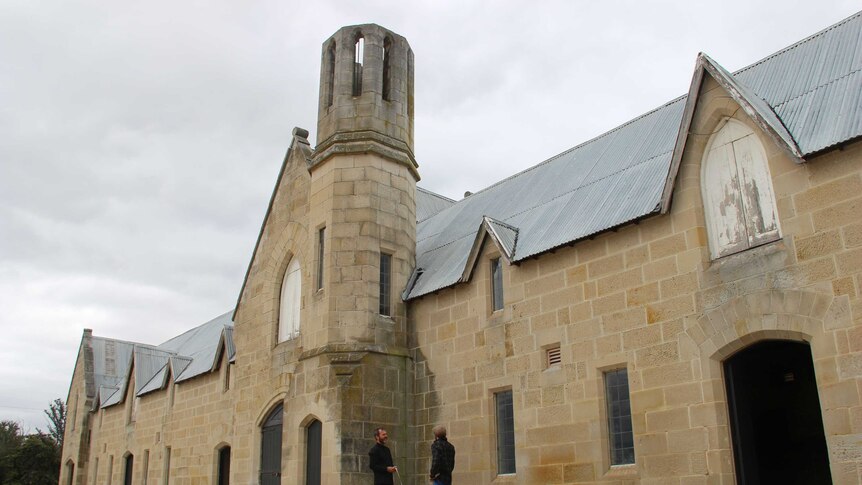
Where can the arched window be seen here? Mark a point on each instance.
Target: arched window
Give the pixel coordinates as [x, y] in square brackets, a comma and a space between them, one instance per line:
[291, 299]
[387, 82]
[313, 442]
[270, 447]
[737, 191]
[330, 74]
[127, 471]
[358, 59]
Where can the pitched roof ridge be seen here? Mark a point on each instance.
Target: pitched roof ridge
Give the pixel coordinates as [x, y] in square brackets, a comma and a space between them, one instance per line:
[750, 66]
[815, 88]
[435, 194]
[196, 328]
[153, 349]
[129, 342]
[581, 145]
[799, 43]
[565, 152]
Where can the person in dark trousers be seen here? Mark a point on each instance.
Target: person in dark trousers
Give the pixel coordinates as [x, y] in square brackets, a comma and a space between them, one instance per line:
[442, 458]
[381, 459]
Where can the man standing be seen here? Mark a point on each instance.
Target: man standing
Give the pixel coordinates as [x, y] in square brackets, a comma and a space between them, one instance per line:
[442, 457]
[381, 459]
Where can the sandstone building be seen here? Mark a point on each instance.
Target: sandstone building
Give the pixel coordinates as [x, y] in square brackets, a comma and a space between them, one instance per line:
[677, 301]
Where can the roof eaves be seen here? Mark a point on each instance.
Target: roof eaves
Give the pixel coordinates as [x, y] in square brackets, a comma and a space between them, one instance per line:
[755, 107]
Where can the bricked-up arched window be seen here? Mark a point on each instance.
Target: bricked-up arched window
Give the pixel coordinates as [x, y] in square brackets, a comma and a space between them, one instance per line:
[290, 302]
[738, 199]
[270, 447]
[330, 74]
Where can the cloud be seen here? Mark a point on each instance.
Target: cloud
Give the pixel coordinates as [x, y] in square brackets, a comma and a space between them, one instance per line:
[141, 141]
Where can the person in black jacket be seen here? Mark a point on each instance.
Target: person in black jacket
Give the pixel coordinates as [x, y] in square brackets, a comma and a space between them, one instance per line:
[442, 458]
[380, 459]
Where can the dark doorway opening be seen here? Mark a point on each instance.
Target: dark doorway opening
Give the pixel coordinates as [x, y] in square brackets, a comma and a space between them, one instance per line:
[775, 419]
[270, 448]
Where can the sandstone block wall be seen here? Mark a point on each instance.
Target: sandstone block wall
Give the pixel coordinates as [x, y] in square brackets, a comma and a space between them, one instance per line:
[647, 297]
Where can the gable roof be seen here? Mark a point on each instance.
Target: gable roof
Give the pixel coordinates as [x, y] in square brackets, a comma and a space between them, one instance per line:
[183, 357]
[809, 95]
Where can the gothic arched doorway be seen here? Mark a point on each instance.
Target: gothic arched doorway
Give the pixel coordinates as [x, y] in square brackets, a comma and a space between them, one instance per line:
[775, 419]
[270, 447]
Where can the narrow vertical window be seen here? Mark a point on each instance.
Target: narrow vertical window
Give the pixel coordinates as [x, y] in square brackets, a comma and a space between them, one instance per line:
[410, 88]
[166, 473]
[96, 470]
[321, 237]
[127, 473]
[314, 440]
[387, 82]
[358, 58]
[74, 413]
[330, 75]
[224, 466]
[70, 472]
[620, 435]
[505, 415]
[145, 471]
[110, 469]
[496, 284]
[226, 377]
[385, 283]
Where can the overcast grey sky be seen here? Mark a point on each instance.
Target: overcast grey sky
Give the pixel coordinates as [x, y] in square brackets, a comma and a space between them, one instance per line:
[141, 140]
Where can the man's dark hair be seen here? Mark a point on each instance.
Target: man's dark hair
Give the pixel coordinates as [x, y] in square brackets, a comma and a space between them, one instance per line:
[377, 432]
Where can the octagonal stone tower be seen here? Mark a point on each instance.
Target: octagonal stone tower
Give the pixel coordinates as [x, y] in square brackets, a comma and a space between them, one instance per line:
[362, 223]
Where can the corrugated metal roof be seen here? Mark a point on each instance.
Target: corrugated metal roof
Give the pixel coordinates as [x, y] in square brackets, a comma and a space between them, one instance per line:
[185, 356]
[148, 362]
[157, 382]
[428, 203]
[810, 91]
[506, 235]
[814, 85]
